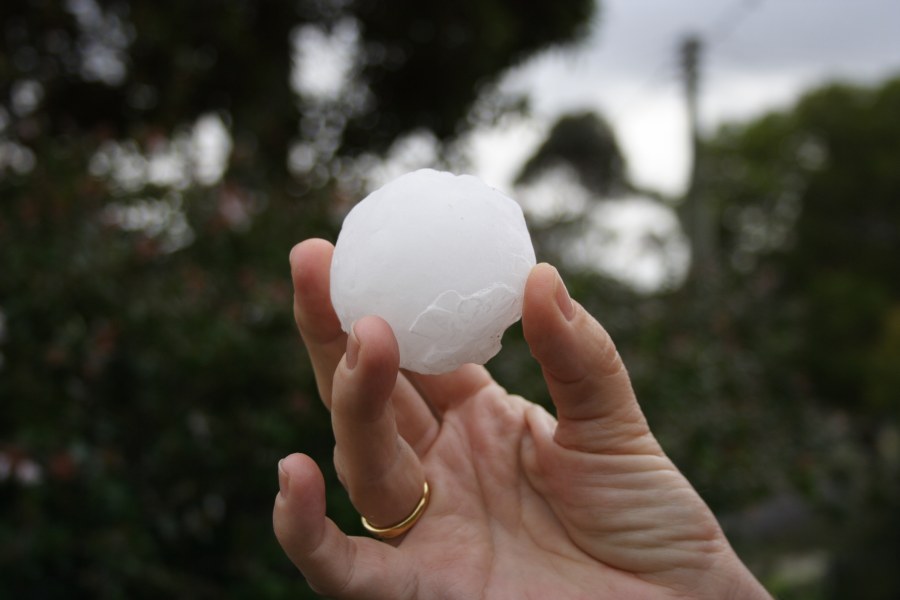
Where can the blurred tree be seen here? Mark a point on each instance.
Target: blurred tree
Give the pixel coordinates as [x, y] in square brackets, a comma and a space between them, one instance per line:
[810, 222]
[810, 196]
[777, 395]
[124, 67]
[585, 143]
[150, 376]
[578, 165]
[440, 56]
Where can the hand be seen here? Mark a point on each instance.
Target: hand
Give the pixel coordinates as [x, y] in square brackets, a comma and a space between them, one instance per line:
[523, 505]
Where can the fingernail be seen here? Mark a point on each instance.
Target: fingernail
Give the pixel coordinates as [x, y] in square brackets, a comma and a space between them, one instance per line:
[563, 299]
[284, 480]
[352, 348]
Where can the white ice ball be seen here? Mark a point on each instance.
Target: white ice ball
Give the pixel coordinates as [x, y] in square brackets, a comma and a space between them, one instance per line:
[443, 259]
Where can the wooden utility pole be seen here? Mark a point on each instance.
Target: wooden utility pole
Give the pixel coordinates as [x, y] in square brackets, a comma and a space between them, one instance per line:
[699, 221]
[697, 216]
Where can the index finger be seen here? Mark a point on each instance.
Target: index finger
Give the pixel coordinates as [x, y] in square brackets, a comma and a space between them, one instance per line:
[326, 341]
[318, 324]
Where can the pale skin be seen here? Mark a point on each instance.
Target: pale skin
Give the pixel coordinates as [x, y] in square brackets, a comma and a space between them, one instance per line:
[583, 504]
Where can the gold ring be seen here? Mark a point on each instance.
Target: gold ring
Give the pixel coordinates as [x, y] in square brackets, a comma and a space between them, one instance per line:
[386, 533]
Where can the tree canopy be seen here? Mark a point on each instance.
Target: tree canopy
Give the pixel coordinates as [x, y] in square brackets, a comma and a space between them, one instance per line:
[813, 193]
[150, 372]
[585, 143]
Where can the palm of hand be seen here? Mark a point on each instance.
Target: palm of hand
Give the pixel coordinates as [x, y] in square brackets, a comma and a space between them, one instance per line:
[509, 521]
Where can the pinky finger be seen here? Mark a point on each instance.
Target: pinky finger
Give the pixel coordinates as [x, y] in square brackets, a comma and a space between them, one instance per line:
[333, 563]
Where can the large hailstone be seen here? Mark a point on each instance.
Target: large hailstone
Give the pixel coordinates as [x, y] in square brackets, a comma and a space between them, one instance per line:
[443, 259]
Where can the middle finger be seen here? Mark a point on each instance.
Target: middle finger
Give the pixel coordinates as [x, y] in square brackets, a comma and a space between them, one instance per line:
[380, 470]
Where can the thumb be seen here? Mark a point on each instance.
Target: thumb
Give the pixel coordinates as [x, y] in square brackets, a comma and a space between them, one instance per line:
[595, 403]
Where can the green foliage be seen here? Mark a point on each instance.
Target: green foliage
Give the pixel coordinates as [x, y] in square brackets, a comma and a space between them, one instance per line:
[150, 372]
[136, 66]
[812, 194]
[156, 391]
[810, 226]
[441, 55]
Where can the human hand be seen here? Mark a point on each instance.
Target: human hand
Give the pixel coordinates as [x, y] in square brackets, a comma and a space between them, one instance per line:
[523, 505]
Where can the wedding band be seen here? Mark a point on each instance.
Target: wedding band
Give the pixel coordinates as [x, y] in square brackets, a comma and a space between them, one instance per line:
[386, 533]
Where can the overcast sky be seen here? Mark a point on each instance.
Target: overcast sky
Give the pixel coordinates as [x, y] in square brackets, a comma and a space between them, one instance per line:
[759, 55]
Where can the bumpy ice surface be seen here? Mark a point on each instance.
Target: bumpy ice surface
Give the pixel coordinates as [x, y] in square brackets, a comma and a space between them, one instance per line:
[443, 259]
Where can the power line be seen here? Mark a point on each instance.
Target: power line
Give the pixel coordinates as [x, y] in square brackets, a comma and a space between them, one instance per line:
[730, 20]
[716, 32]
